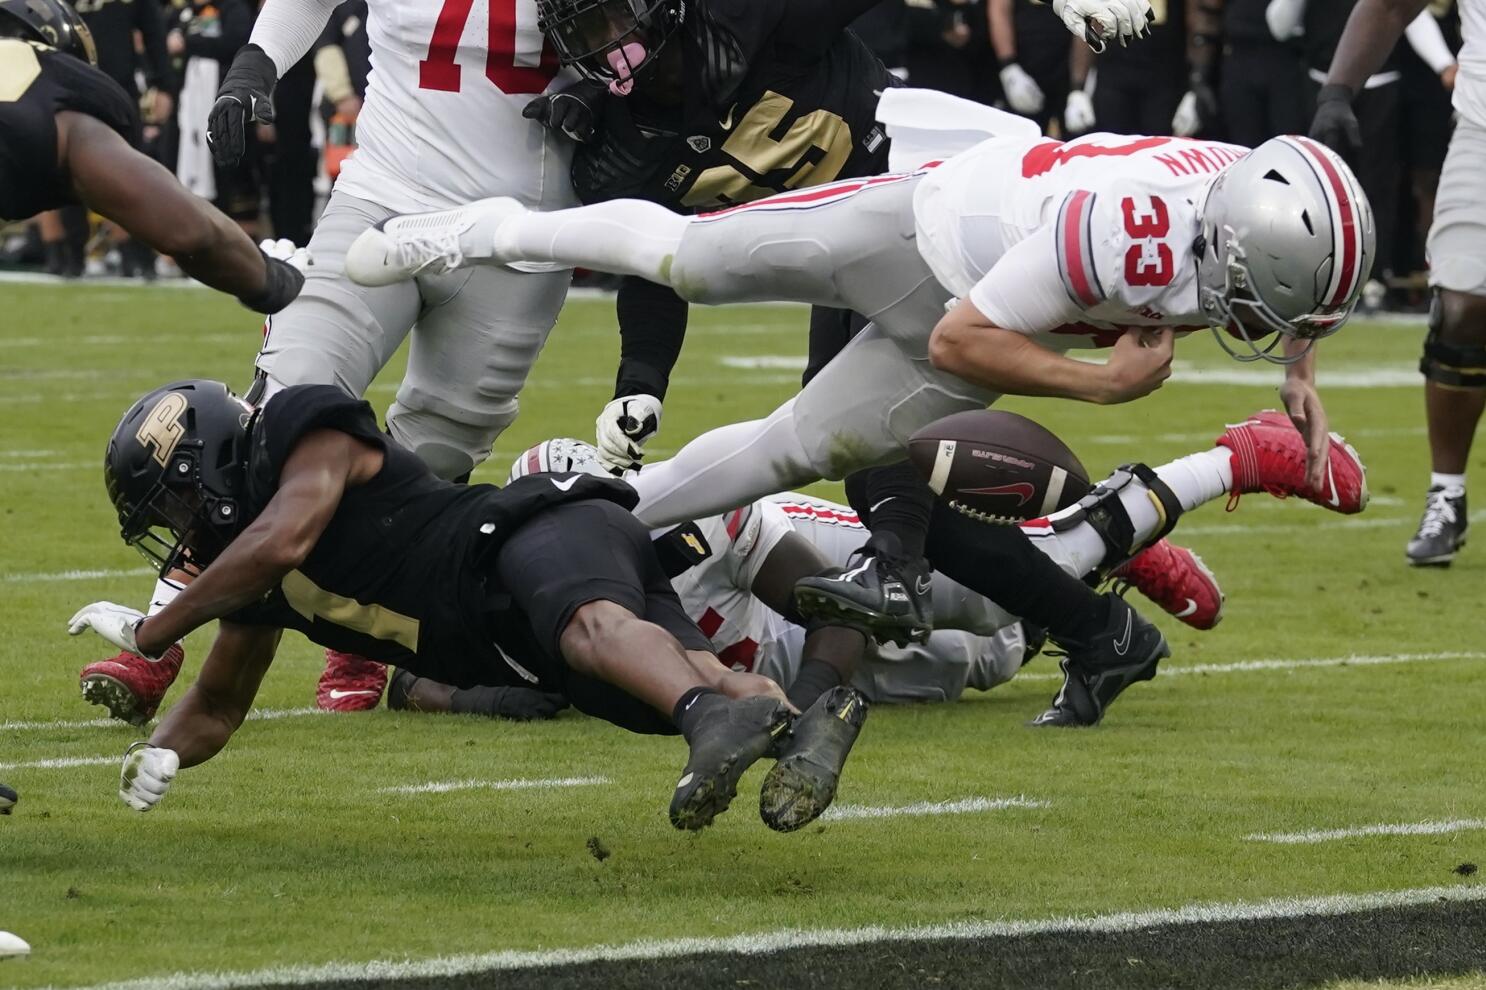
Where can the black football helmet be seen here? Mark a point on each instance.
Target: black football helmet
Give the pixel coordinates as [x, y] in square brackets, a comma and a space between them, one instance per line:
[597, 37]
[52, 22]
[175, 471]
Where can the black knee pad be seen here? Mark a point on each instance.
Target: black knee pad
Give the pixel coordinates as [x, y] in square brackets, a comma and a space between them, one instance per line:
[1454, 356]
[1103, 510]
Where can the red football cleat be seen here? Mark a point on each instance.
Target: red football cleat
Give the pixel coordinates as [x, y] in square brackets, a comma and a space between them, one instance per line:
[350, 683]
[1269, 456]
[130, 686]
[1176, 579]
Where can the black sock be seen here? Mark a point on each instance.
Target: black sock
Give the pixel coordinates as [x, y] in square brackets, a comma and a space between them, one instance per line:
[815, 678]
[893, 499]
[1000, 563]
[693, 706]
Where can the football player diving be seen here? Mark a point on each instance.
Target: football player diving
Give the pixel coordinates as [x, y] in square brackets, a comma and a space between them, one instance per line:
[978, 275]
[70, 136]
[304, 515]
[703, 105]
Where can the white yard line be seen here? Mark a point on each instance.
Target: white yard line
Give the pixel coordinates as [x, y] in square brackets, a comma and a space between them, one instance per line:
[1251, 666]
[51, 466]
[1367, 521]
[80, 575]
[60, 762]
[1360, 831]
[518, 784]
[964, 806]
[759, 943]
[257, 715]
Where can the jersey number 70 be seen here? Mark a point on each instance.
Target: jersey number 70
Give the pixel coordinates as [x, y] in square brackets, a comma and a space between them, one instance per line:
[502, 55]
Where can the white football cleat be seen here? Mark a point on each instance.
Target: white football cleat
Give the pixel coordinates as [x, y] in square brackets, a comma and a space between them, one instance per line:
[414, 244]
[12, 945]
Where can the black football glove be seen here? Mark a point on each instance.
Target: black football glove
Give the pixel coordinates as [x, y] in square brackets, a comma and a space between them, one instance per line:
[245, 97]
[521, 704]
[572, 111]
[1335, 124]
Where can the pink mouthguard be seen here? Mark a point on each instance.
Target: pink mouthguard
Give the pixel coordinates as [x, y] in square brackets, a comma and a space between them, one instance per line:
[620, 60]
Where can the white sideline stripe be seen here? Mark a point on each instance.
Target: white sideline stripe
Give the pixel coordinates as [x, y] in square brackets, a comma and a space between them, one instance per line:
[1249, 666]
[83, 575]
[66, 761]
[1331, 834]
[518, 784]
[964, 806]
[760, 943]
[257, 715]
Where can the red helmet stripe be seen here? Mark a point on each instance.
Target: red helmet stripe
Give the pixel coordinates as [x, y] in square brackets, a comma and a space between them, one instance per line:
[1350, 264]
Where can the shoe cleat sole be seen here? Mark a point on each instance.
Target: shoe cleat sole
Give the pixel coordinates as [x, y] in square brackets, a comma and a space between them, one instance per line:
[100, 689]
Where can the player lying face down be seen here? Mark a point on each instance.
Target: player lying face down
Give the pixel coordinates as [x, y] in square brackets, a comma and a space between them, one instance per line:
[69, 135]
[303, 515]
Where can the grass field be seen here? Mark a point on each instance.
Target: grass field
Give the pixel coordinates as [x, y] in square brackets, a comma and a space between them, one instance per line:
[1343, 690]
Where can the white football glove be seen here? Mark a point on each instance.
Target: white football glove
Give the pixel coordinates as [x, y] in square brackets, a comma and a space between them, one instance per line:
[1078, 113]
[1187, 121]
[114, 623]
[623, 429]
[146, 775]
[1099, 22]
[283, 249]
[1021, 90]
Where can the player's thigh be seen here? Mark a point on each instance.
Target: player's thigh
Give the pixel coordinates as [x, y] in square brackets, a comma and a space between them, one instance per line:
[1457, 238]
[337, 332]
[865, 404]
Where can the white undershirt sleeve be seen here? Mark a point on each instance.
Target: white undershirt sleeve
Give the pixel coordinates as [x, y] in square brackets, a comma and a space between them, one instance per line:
[286, 29]
[1024, 290]
[1428, 42]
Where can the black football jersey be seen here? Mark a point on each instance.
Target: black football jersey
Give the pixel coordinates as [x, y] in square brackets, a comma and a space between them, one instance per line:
[772, 102]
[404, 572]
[36, 84]
[1161, 55]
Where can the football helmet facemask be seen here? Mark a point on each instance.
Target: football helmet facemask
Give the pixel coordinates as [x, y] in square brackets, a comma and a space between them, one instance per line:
[52, 23]
[1286, 245]
[175, 470]
[609, 41]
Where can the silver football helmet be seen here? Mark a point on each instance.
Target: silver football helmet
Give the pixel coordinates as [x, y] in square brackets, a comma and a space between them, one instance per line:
[1287, 242]
[561, 455]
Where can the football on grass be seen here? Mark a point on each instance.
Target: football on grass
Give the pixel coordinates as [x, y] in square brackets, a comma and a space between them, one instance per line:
[997, 466]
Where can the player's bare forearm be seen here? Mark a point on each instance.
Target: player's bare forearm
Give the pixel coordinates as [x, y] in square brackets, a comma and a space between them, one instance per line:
[310, 488]
[211, 710]
[1372, 30]
[1204, 28]
[143, 197]
[1002, 31]
[1304, 369]
[1009, 362]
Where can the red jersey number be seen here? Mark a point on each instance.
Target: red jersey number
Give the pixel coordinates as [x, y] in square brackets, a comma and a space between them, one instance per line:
[439, 71]
[1149, 261]
[1050, 154]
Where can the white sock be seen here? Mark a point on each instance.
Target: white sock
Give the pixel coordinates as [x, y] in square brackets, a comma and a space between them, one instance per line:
[165, 592]
[723, 469]
[623, 236]
[1452, 483]
[1194, 479]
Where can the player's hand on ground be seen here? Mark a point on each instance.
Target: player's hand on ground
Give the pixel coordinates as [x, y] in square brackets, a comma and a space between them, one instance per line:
[521, 704]
[1099, 22]
[1139, 363]
[572, 111]
[623, 429]
[146, 775]
[285, 250]
[244, 98]
[1078, 113]
[1021, 90]
[1303, 404]
[114, 623]
[1335, 123]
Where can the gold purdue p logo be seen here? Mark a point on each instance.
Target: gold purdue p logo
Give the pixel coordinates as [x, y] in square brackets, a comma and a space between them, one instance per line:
[162, 429]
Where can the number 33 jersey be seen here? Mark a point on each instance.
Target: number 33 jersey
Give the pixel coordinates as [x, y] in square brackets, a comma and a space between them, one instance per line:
[1072, 242]
[442, 123]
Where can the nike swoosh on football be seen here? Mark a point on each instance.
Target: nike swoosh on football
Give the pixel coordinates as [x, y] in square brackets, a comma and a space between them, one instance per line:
[337, 694]
[1122, 645]
[565, 485]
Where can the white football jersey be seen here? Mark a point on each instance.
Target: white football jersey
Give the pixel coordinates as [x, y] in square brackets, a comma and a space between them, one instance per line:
[978, 644]
[442, 124]
[1071, 242]
[1470, 80]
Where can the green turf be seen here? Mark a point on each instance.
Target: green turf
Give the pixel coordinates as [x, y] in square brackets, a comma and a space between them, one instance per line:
[282, 850]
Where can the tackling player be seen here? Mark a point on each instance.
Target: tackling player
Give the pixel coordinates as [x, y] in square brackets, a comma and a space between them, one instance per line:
[1034, 247]
[70, 133]
[1454, 361]
[302, 514]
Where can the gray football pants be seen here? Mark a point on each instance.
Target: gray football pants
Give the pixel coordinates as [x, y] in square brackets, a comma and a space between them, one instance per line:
[475, 335]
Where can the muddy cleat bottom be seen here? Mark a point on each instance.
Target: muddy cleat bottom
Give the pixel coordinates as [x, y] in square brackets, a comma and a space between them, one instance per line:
[736, 737]
[802, 785]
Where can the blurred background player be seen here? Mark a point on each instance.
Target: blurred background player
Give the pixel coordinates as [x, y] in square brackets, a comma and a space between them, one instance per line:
[1454, 361]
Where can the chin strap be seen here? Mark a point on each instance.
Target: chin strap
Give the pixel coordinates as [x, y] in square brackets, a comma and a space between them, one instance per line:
[1103, 510]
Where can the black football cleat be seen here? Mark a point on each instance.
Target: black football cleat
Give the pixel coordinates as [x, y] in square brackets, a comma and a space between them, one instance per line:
[803, 783]
[1096, 670]
[1441, 531]
[733, 739]
[886, 596]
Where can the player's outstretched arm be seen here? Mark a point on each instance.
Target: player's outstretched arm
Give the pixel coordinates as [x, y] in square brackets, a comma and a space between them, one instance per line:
[141, 196]
[968, 345]
[1303, 404]
[1371, 32]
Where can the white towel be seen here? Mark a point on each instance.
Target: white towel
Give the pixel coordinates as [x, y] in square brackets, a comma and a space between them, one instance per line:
[926, 125]
[193, 165]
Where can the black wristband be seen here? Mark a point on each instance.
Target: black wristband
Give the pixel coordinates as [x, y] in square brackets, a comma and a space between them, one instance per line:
[281, 283]
[1005, 63]
[1334, 92]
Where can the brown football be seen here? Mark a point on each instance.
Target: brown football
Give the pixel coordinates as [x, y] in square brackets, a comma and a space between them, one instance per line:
[997, 466]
